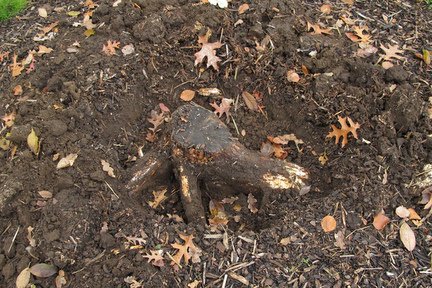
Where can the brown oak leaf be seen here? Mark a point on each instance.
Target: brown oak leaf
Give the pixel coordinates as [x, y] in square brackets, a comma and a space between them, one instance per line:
[391, 53]
[344, 130]
[223, 108]
[209, 50]
[110, 48]
[155, 257]
[16, 67]
[317, 29]
[159, 197]
[186, 251]
[359, 35]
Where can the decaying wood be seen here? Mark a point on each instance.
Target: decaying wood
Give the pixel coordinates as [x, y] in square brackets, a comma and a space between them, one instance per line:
[203, 149]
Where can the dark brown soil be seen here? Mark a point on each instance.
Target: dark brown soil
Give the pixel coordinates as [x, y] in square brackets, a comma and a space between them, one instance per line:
[97, 106]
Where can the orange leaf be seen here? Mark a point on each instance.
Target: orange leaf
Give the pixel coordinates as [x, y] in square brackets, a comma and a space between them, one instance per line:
[17, 90]
[9, 119]
[292, 76]
[344, 130]
[413, 214]
[185, 251]
[328, 223]
[380, 221]
[326, 9]
[317, 29]
[242, 9]
[16, 68]
[110, 48]
[187, 95]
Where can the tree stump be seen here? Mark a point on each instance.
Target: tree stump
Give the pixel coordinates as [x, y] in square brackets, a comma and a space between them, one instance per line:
[202, 148]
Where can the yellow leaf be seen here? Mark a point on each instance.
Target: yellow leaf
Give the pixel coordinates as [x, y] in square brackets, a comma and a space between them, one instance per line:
[328, 223]
[23, 278]
[33, 142]
[73, 14]
[159, 197]
[89, 32]
[4, 143]
[426, 56]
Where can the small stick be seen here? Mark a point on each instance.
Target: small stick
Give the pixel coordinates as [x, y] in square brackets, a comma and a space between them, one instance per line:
[13, 239]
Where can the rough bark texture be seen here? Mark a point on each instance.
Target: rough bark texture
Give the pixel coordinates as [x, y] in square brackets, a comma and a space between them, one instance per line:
[202, 148]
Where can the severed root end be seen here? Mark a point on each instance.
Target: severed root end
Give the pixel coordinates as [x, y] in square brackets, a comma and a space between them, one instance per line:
[293, 177]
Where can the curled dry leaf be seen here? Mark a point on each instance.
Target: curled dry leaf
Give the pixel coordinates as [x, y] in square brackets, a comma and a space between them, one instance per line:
[33, 142]
[340, 240]
[243, 8]
[187, 95]
[380, 221]
[60, 280]
[252, 203]
[42, 12]
[292, 76]
[107, 168]
[402, 212]
[413, 214]
[427, 198]
[344, 130]
[328, 223]
[407, 236]
[67, 161]
[32, 241]
[17, 90]
[392, 53]
[212, 92]
[128, 49]
[217, 213]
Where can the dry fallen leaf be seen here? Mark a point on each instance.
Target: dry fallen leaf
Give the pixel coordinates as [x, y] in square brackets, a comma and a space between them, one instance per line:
[402, 212]
[317, 29]
[208, 50]
[67, 161]
[392, 53]
[186, 251]
[380, 221]
[212, 92]
[23, 278]
[187, 95]
[328, 223]
[325, 8]
[33, 142]
[128, 49]
[42, 12]
[252, 203]
[16, 67]
[349, 2]
[242, 8]
[292, 76]
[340, 240]
[45, 194]
[217, 213]
[43, 270]
[60, 279]
[407, 236]
[159, 197]
[110, 47]
[250, 101]
[223, 108]
[155, 258]
[427, 198]
[194, 284]
[107, 168]
[413, 214]
[17, 90]
[344, 130]
[44, 50]
[9, 119]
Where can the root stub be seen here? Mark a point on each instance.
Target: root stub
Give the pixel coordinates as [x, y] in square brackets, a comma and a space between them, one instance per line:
[203, 149]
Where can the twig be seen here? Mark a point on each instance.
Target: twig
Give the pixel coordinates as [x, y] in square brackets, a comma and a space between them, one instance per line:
[112, 190]
[13, 239]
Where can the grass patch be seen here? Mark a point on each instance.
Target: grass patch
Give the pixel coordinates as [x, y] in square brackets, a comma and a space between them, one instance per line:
[9, 8]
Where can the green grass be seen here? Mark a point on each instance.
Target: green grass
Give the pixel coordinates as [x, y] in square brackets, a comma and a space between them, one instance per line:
[9, 8]
[429, 3]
